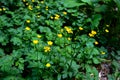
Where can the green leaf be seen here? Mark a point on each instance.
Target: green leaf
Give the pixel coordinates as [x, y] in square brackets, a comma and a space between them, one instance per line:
[96, 20]
[1, 52]
[100, 8]
[44, 29]
[118, 3]
[95, 51]
[87, 1]
[16, 41]
[71, 3]
[95, 61]
[59, 77]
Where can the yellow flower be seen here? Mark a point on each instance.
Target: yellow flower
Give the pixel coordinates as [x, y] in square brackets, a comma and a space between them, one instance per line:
[24, 0]
[96, 43]
[0, 9]
[107, 25]
[80, 28]
[35, 41]
[93, 32]
[46, 8]
[27, 3]
[106, 30]
[56, 17]
[39, 36]
[59, 35]
[48, 65]
[91, 35]
[69, 38]
[37, 7]
[38, 16]
[4, 9]
[42, 2]
[50, 43]
[64, 13]
[27, 28]
[28, 21]
[69, 30]
[51, 17]
[30, 7]
[33, 0]
[46, 49]
[102, 52]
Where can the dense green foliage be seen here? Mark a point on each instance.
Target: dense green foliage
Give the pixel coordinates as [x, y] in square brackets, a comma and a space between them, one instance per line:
[58, 39]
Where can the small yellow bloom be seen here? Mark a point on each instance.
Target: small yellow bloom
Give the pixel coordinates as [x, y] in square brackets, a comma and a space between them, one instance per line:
[4, 9]
[27, 28]
[107, 25]
[27, 3]
[91, 35]
[28, 21]
[39, 36]
[38, 16]
[69, 38]
[33, 0]
[102, 52]
[37, 7]
[80, 28]
[30, 7]
[69, 30]
[106, 30]
[24, 0]
[46, 49]
[50, 43]
[64, 13]
[35, 41]
[46, 8]
[42, 2]
[0, 9]
[56, 17]
[48, 65]
[51, 17]
[93, 32]
[59, 35]
[96, 43]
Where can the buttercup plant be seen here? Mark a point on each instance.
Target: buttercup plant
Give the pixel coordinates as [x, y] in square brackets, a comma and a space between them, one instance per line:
[58, 39]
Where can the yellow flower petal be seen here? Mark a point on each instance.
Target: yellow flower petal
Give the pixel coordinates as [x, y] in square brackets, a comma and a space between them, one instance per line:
[107, 25]
[28, 21]
[106, 30]
[48, 65]
[39, 36]
[35, 41]
[64, 13]
[96, 43]
[102, 52]
[27, 28]
[93, 32]
[91, 35]
[46, 49]
[50, 43]
[69, 38]
[59, 35]
[80, 28]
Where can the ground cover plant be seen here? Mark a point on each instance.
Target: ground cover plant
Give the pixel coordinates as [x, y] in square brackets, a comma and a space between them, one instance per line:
[59, 39]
